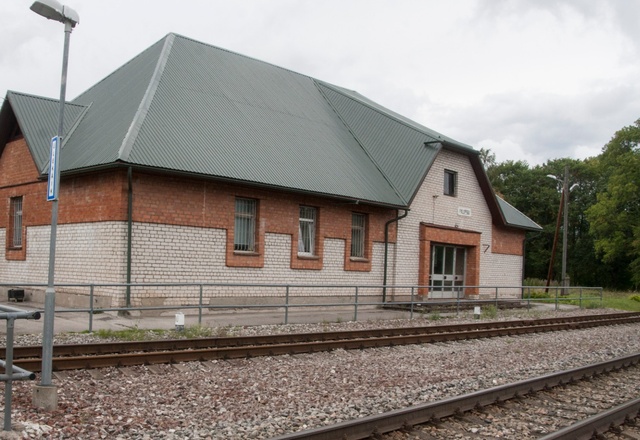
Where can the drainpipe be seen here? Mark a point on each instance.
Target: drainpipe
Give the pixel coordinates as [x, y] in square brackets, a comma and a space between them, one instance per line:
[129, 232]
[386, 251]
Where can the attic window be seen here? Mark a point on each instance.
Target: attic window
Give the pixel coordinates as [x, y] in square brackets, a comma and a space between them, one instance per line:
[450, 183]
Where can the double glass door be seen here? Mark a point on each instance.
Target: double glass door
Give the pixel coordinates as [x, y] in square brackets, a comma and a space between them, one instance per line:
[447, 271]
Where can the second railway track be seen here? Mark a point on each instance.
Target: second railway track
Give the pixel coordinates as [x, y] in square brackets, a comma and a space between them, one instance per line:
[86, 356]
[576, 404]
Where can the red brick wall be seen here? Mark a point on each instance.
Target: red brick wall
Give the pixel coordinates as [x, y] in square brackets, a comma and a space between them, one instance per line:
[207, 204]
[19, 178]
[91, 198]
[16, 165]
[506, 241]
[163, 199]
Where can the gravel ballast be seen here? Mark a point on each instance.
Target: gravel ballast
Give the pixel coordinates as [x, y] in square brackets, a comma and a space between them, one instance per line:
[261, 398]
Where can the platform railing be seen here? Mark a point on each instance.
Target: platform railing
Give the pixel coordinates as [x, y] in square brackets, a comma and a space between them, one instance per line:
[206, 297]
[12, 372]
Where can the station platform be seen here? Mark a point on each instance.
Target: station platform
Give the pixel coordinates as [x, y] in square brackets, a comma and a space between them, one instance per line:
[77, 322]
[68, 322]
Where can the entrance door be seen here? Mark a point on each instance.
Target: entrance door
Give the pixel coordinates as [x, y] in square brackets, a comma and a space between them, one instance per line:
[447, 271]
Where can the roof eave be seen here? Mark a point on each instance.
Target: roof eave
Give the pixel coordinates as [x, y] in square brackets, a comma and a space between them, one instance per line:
[156, 170]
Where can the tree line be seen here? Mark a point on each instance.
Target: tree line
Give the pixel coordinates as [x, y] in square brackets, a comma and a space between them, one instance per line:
[603, 233]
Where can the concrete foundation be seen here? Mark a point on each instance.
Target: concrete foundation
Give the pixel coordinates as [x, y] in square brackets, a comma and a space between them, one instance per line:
[45, 397]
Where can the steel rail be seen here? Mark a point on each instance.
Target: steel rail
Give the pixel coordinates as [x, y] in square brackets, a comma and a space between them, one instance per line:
[598, 424]
[377, 424]
[248, 351]
[288, 338]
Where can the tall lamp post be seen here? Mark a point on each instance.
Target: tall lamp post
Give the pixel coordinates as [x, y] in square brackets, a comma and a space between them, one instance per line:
[45, 394]
[565, 201]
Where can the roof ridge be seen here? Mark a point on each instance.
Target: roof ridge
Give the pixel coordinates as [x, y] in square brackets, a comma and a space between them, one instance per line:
[143, 108]
[375, 163]
[243, 56]
[75, 125]
[393, 115]
[44, 98]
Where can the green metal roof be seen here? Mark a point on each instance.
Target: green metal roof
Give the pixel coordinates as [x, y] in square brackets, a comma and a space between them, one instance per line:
[38, 118]
[188, 107]
[515, 218]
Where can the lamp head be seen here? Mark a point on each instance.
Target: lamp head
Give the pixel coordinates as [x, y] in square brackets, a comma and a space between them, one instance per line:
[54, 10]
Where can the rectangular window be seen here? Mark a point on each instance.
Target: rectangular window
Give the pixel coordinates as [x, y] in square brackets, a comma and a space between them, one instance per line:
[450, 183]
[307, 232]
[244, 237]
[16, 218]
[358, 222]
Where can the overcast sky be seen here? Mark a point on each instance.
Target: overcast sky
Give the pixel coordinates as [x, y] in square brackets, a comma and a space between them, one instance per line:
[531, 80]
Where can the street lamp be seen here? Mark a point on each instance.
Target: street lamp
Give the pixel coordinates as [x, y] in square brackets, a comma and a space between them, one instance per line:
[45, 394]
[565, 200]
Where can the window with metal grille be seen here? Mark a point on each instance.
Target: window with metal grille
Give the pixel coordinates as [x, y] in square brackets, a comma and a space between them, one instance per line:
[244, 238]
[358, 222]
[307, 232]
[450, 182]
[16, 215]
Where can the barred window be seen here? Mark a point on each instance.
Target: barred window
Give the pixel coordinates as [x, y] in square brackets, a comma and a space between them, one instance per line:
[358, 222]
[307, 231]
[244, 238]
[16, 217]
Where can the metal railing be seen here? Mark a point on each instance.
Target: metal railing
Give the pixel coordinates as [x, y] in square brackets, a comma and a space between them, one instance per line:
[204, 297]
[12, 372]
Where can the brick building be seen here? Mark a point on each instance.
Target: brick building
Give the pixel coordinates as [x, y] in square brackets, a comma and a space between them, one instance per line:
[191, 163]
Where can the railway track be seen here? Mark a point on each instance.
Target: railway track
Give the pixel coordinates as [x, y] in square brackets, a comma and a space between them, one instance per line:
[87, 356]
[569, 405]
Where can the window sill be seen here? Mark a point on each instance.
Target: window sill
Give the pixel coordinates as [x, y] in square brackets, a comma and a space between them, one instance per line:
[308, 257]
[359, 259]
[246, 253]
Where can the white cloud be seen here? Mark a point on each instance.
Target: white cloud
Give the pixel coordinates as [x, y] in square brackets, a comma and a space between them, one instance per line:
[538, 78]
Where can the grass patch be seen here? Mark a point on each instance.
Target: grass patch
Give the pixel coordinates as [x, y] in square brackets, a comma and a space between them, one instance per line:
[621, 301]
[537, 294]
[130, 334]
[139, 334]
[610, 300]
[489, 312]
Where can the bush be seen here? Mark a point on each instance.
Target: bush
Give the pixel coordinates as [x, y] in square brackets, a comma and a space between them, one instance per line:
[538, 282]
[537, 294]
[635, 298]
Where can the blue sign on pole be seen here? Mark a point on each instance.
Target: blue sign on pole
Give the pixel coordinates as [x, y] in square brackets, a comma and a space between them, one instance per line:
[52, 183]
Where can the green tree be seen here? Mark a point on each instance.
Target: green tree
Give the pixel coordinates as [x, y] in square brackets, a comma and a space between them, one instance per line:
[535, 195]
[488, 158]
[615, 217]
[583, 266]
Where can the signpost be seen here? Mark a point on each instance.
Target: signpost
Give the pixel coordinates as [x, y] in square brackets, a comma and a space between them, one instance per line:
[52, 184]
